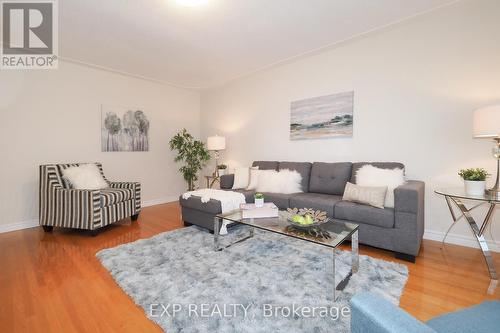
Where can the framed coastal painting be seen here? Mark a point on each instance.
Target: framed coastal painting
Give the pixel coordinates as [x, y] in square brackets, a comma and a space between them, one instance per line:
[322, 117]
[124, 129]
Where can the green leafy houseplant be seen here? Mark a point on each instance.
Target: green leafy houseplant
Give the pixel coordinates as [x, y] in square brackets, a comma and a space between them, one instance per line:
[258, 196]
[192, 153]
[222, 167]
[473, 174]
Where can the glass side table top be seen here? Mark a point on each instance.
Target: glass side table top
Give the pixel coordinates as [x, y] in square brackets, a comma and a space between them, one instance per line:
[338, 231]
[458, 192]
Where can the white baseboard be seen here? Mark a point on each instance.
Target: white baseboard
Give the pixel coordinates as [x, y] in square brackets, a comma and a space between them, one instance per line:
[160, 201]
[34, 223]
[469, 241]
[18, 226]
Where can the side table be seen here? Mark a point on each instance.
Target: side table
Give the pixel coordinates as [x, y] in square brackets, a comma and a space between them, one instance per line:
[455, 196]
[211, 180]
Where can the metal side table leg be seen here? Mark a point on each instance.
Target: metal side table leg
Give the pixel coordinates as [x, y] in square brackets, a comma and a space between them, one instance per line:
[478, 232]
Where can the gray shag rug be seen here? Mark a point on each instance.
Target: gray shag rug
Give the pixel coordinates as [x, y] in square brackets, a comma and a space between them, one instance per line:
[269, 283]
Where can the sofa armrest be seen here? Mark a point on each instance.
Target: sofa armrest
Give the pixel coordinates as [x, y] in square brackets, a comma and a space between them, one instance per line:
[370, 313]
[136, 189]
[226, 181]
[410, 197]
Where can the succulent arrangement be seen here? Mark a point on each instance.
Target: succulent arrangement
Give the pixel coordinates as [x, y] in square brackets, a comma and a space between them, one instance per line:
[258, 196]
[474, 174]
[222, 167]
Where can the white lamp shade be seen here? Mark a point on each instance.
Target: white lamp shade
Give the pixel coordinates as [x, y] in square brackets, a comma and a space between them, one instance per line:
[487, 122]
[216, 143]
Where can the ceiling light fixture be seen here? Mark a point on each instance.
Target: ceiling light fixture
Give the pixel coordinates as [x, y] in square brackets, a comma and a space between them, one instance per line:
[191, 3]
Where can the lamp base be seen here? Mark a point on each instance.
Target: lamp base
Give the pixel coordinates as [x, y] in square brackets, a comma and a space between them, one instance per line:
[494, 193]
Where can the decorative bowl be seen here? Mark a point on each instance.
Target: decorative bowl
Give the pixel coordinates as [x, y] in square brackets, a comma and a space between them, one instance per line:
[306, 226]
[319, 217]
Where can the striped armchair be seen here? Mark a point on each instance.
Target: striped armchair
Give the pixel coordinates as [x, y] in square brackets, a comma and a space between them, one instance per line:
[62, 206]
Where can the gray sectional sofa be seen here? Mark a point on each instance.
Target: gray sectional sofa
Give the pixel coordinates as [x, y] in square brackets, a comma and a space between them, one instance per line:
[400, 229]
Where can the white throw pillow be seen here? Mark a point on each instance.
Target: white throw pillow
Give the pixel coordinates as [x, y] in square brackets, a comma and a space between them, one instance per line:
[242, 178]
[85, 177]
[254, 179]
[368, 175]
[368, 195]
[284, 181]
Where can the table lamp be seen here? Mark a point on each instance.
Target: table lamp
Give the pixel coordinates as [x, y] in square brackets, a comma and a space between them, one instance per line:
[216, 143]
[487, 126]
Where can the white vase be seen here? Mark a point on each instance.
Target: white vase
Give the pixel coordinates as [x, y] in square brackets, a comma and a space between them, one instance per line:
[259, 202]
[222, 172]
[474, 187]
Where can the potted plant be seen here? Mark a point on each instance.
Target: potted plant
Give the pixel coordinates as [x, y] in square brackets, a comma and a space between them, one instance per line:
[475, 180]
[259, 199]
[221, 169]
[193, 153]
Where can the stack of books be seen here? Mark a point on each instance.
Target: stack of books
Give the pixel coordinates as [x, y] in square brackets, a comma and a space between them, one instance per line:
[249, 211]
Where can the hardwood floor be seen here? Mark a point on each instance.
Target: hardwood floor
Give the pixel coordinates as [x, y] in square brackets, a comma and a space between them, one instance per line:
[52, 282]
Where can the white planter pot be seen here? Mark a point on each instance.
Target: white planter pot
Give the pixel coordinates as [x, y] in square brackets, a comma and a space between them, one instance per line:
[222, 172]
[475, 187]
[259, 202]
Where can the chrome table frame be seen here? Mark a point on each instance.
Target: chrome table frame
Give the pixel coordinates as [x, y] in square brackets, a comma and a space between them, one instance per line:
[336, 286]
[478, 231]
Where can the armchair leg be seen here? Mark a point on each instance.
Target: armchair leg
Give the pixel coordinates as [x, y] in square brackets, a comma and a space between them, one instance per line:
[47, 228]
[134, 217]
[94, 232]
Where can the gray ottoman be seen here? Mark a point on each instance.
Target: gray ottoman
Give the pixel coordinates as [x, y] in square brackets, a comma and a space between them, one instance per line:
[195, 212]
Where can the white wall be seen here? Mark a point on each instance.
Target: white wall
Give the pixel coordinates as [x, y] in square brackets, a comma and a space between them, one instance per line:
[54, 116]
[416, 85]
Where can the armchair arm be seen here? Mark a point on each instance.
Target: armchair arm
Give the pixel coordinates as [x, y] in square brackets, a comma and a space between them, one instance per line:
[226, 181]
[71, 208]
[370, 313]
[136, 189]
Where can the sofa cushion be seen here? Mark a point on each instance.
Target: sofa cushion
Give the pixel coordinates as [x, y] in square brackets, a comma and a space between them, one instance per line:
[303, 168]
[359, 213]
[266, 165]
[319, 201]
[381, 165]
[279, 199]
[248, 195]
[329, 178]
[111, 196]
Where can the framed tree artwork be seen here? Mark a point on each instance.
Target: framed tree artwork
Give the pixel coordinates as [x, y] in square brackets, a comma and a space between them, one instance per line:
[124, 129]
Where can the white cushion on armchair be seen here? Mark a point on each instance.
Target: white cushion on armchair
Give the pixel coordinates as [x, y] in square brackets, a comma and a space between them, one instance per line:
[85, 177]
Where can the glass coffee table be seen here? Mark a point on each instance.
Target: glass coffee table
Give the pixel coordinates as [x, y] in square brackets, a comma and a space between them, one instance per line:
[333, 233]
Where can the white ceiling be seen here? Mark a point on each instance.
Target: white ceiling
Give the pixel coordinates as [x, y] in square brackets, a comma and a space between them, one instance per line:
[200, 47]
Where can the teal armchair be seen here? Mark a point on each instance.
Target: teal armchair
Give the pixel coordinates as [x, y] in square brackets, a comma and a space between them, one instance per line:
[372, 314]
